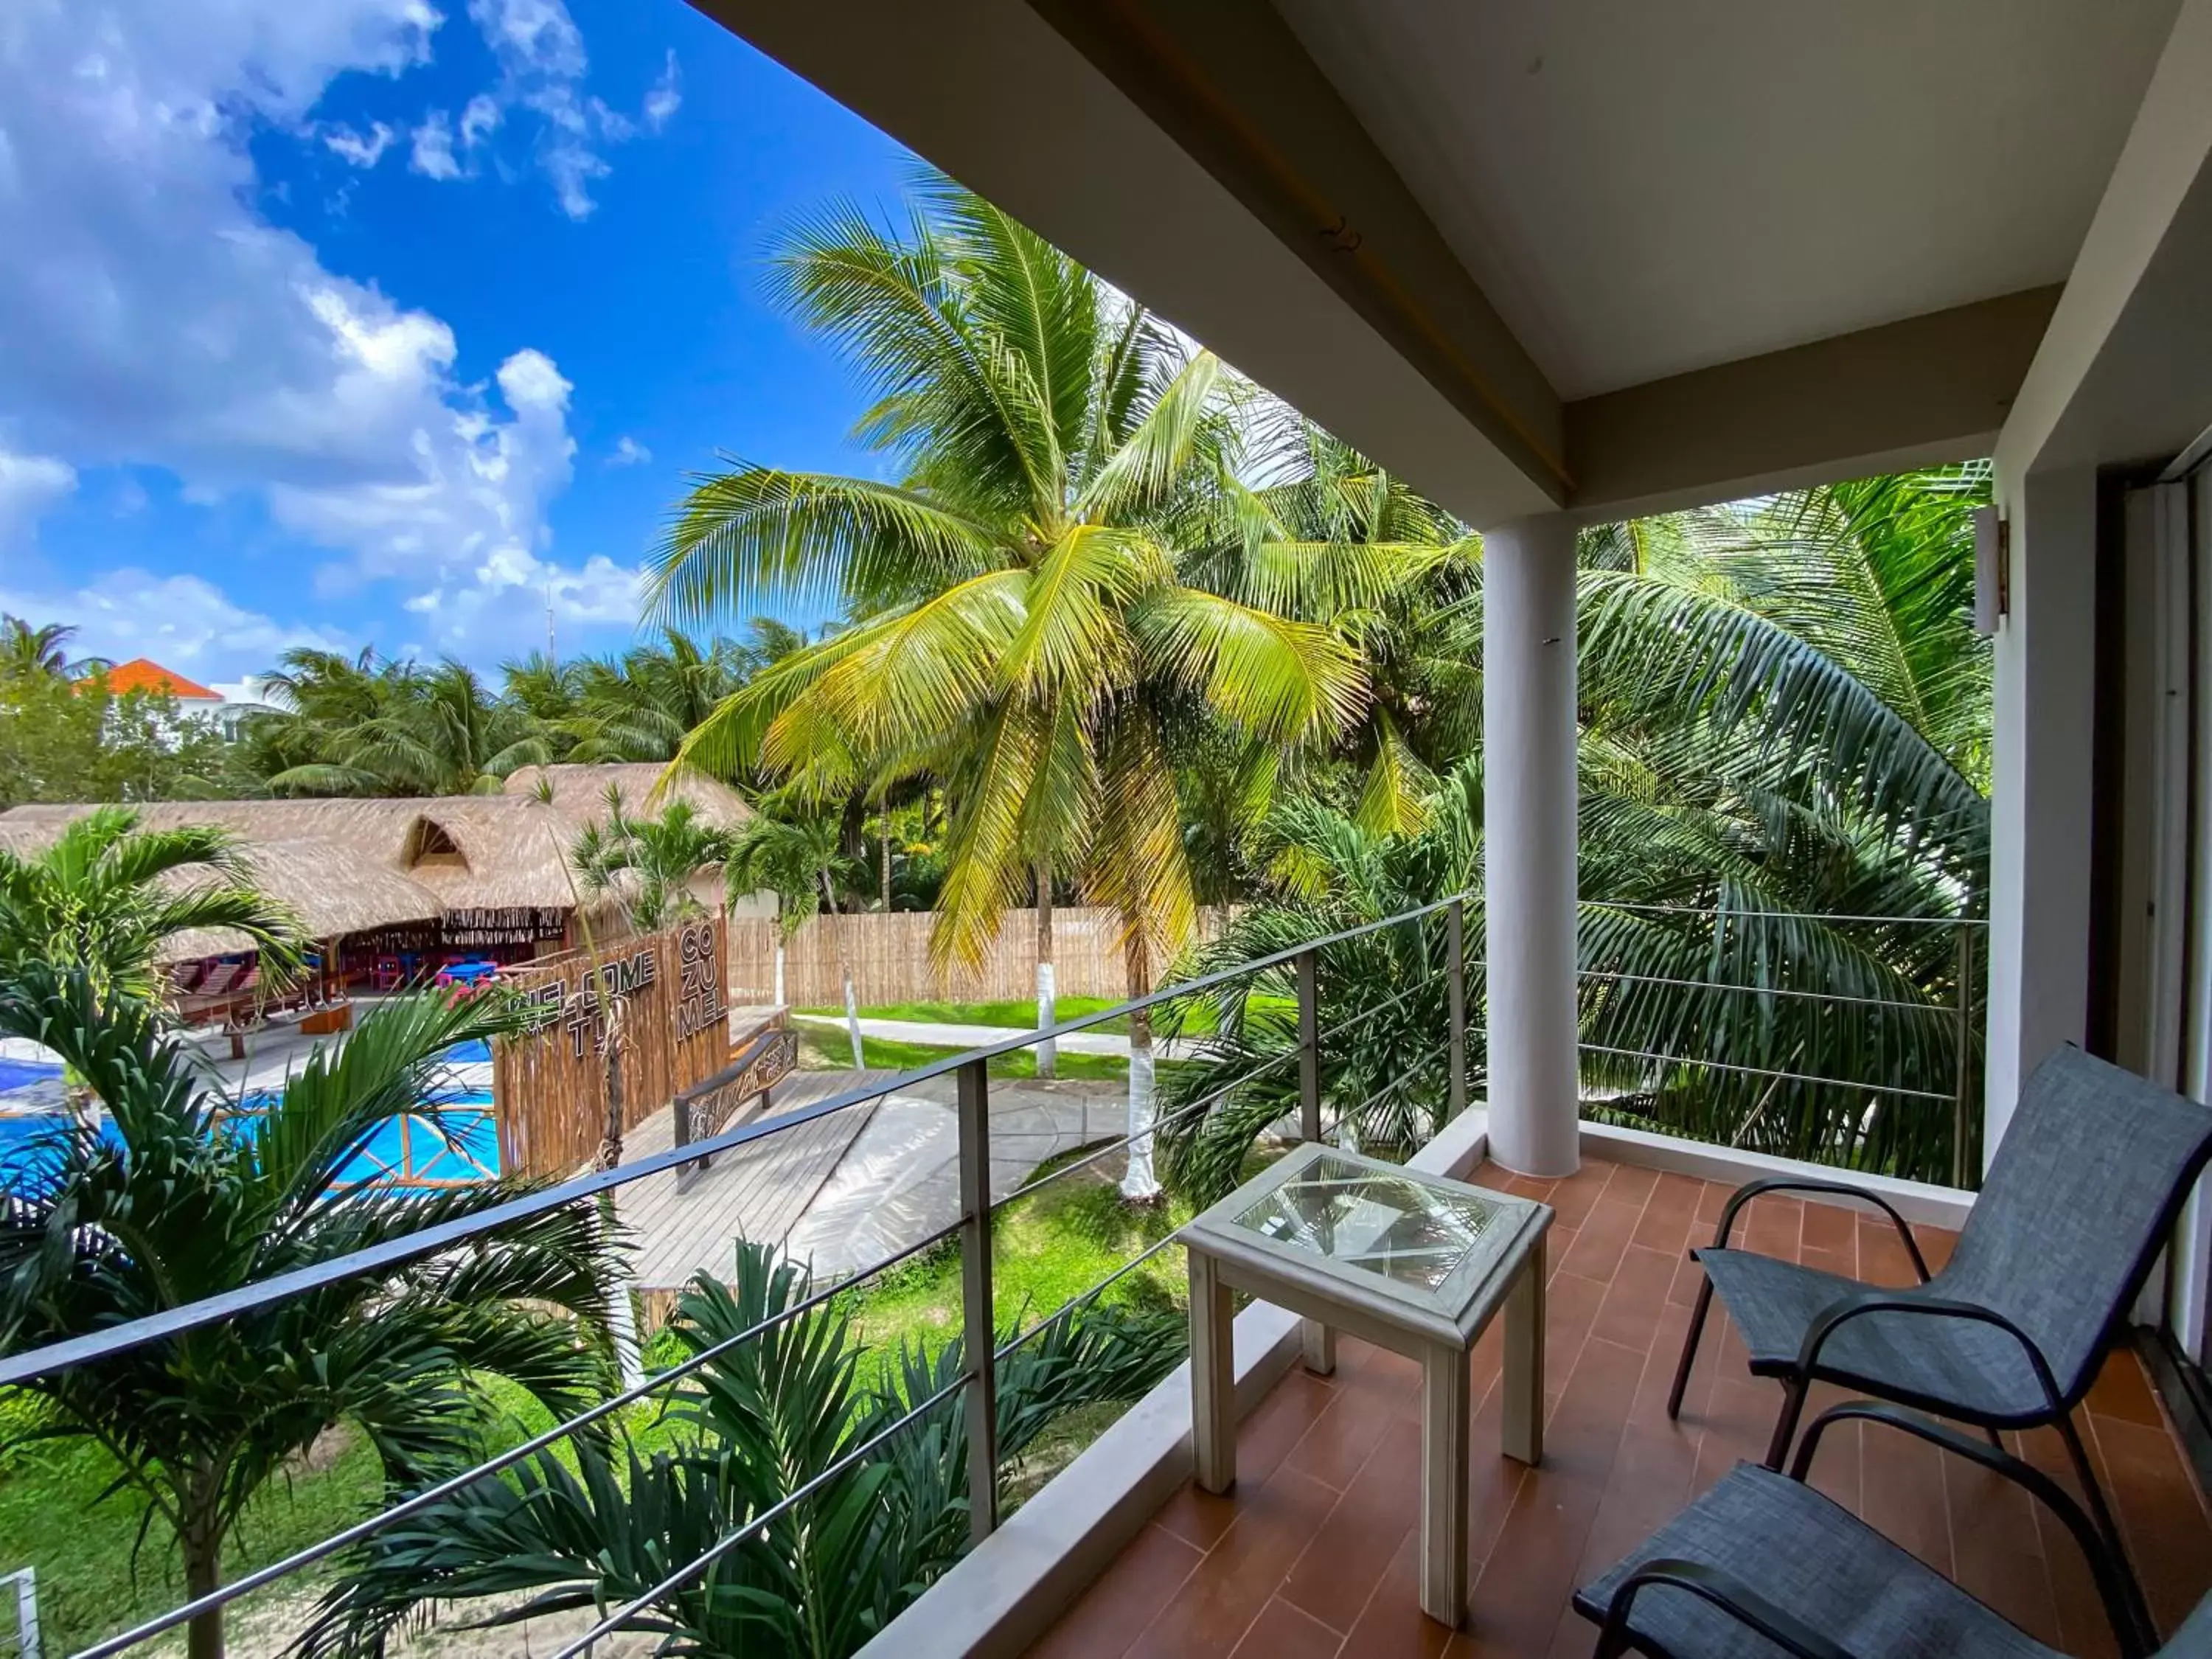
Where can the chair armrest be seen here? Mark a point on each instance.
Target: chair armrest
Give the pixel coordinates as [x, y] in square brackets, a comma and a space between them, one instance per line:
[1720, 1590]
[1745, 1193]
[1845, 1308]
[2111, 1586]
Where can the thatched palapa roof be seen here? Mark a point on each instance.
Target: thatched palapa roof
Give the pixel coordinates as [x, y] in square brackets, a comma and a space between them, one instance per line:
[351, 865]
[579, 792]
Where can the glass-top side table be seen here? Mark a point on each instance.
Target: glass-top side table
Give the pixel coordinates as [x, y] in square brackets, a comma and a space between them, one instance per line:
[1409, 1261]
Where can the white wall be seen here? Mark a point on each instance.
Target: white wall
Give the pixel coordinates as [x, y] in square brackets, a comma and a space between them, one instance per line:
[2040, 799]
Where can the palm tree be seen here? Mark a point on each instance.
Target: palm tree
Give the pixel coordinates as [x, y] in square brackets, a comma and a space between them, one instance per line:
[1383, 996]
[799, 856]
[1783, 840]
[601, 1526]
[1786, 744]
[408, 732]
[197, 1200]
[107, 895]
[1031, 624]
[651, 860]
[1329, 536]
[39, 651]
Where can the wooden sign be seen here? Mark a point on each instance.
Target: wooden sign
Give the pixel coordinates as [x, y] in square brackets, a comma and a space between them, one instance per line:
[658, 997]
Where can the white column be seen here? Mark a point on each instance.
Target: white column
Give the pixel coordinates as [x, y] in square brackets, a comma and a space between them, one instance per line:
[2044, 697]
[1528, 838]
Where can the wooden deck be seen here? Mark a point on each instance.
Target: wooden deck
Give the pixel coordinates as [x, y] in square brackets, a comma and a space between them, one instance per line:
[1313, 1555]
[757, 1191]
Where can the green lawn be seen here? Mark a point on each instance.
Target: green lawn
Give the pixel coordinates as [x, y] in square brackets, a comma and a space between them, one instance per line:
[53, 1517]
[1046, 1249]
[1019, 1013]
[821, 1049]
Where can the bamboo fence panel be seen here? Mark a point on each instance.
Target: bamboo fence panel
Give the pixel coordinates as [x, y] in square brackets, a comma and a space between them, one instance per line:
[889, 952]
[550, 1087]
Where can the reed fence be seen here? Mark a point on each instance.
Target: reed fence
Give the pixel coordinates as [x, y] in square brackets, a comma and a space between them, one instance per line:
[889, 952]
[550, 1087]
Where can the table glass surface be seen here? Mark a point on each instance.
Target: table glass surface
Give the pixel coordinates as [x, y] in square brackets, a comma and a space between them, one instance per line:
[1388, 1225]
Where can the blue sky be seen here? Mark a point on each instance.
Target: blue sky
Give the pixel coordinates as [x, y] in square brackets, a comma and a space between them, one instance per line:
[352, 322]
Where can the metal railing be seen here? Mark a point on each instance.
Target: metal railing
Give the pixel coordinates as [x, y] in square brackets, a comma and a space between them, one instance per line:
[973, 1227]
[1961, 1097]
[977, 1382]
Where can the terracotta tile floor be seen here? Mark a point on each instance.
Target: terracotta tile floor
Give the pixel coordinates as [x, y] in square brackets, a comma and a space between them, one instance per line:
[1313, 1554]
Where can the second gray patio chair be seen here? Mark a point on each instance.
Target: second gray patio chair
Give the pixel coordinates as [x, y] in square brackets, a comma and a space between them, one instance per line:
[1760, 1564]
[2081, 1195]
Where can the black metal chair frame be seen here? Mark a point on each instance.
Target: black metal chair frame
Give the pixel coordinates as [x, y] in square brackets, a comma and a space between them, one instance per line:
[2138, 1636]
[1798, 1375]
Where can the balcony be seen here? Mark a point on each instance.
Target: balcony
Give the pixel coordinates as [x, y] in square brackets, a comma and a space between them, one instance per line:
[1314, 1553]
[1106, 1548]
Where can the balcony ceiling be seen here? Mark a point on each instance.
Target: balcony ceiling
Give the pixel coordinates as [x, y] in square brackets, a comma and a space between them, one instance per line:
[1643, 190]
[1601, 255]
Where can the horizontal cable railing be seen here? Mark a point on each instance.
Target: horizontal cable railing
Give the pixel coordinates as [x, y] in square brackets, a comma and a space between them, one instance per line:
[984, 1352]
[1322, 1080]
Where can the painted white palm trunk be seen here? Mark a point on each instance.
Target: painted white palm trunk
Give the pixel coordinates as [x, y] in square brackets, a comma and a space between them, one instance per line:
[622, 1325]
[1047, 1052]
[780, 997]
[853, 1022]
[1141, 1185]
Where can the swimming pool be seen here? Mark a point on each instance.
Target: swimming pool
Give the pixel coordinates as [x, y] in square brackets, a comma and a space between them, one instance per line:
[451, 1140]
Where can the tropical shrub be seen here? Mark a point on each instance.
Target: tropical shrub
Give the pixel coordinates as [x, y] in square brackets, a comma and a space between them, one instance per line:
[800, 1407]
[190, 1200]
[107, 895]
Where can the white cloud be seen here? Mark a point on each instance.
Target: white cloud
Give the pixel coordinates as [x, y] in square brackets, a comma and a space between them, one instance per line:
[542, 68]
[480, 119]
[356, 149]
[666, 97]
[181, 622]
[30, 486]
[504, 599]
[150, 316]
[627, 452]
[431, 151]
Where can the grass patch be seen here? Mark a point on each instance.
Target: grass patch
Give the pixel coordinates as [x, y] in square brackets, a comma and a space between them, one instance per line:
[1046, 1249]
[821, 1049]
[94, 1579]
[1020, 1012]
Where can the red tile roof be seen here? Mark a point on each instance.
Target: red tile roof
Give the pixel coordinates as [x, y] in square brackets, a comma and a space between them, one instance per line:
[144, 674]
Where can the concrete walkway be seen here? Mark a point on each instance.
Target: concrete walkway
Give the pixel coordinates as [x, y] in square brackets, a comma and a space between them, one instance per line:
[900, 1180]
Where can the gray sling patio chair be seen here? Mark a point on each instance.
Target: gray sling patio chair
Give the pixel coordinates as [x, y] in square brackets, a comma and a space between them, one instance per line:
[2083, 1192]
[1762, 1564]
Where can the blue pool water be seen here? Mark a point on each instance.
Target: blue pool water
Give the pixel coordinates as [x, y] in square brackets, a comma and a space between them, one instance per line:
[452, 1138]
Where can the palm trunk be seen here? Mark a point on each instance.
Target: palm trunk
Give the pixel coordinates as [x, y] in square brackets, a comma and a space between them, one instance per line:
[883, 846]
[621, 1317]
[1139, 1185]
[202, 1545]
[845, 969]
[779, 998]
[1047, 1052]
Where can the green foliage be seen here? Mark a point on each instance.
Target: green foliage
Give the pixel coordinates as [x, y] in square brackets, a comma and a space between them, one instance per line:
[649, 861]
[107, 895]
[1037, 616]
[789, 1410]
[1382, 998]
[359, 726]
[64, 740]
[1786, 723]
[193, 1204]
